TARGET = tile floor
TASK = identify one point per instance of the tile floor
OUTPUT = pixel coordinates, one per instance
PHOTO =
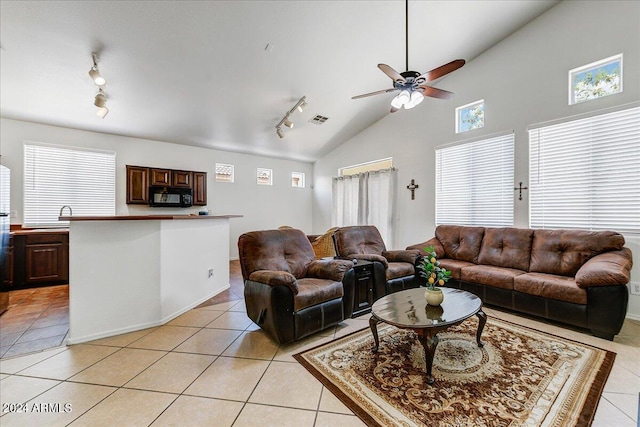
(214, 367)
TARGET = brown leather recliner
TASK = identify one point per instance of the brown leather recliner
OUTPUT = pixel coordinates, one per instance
(287, 292)
(394, 270)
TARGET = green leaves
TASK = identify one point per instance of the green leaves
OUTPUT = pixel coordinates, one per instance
(430, 270)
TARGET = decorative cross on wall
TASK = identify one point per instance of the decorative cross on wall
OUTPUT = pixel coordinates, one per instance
(520, 188)
(412, 187)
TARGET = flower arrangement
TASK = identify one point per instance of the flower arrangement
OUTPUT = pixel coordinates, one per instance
(430, 269)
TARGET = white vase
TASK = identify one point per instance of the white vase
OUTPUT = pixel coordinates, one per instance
(434, 296)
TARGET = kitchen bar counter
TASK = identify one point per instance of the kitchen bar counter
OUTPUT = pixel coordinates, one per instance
(128, 273)
(143, 217)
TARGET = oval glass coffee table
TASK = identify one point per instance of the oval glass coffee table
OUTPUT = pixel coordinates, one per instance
(408, 309)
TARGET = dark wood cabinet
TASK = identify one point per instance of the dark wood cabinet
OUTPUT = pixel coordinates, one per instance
(199, 188)
(140, 178)
(7, 268)
(364, 288)
(40, 258)
(137, 185)
(183, 179)
(161, 177)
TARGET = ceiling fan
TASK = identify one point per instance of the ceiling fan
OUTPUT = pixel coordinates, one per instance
(412, 84)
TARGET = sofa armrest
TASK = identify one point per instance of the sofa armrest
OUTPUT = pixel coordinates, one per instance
(437, 247)
(275, 278)
(410, 255)
(331, 269)
(369, 257)
(609, 268)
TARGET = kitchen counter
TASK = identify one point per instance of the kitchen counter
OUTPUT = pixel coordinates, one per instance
(143, 217)
(40, 231)
(128, 273)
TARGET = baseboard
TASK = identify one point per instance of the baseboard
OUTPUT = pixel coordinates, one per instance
(633, 316)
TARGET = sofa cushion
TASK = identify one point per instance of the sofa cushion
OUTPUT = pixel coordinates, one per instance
(506, 247)
(563, 252)
(400, 269)
(454, 266)
(497, 277)
(550, 286)
(459, 242)
(313, 291)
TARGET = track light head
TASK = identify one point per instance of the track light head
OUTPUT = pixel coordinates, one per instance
(100, 100)
(102, 112)
(288, 123)
(302, 105)
(280, 133)
(94, 73)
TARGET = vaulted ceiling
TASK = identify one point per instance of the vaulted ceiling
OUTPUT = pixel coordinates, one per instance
(221, 74)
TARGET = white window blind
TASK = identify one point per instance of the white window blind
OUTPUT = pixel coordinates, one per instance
(56, 176)
(586, 173)
(474, 182)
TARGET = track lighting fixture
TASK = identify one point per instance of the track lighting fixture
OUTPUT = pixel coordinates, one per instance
(100, 100)
(95, 73)
(102, 112)
(300, 106)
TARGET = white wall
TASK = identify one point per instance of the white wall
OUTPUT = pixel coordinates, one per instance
(523, 81)
(263, 207)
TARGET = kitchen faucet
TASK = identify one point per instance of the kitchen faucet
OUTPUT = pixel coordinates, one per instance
(66, 206)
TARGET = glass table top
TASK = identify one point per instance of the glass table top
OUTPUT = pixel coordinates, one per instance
(409, 308)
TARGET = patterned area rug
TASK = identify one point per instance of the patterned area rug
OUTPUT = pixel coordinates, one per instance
(521, 377)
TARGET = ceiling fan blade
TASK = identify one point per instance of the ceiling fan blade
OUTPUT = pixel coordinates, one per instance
(395, 76)
(373, 93)
(445, 69)
(435, 92)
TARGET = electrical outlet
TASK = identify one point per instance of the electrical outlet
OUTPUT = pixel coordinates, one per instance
(635, 288)
(210, 272)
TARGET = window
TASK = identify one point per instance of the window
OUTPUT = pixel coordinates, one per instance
(470, 116)
(595, 80)
(55, 176)
(297, 179)
(265, 176)
(224, 172)
(375, 165)
(585, 173)
(474, 183)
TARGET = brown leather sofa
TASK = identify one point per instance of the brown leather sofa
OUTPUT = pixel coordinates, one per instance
(393, 270)
(287, 292)
(571, 276)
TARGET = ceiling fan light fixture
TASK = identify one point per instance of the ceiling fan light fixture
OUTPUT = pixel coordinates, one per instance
(404, 97)
(396, 103)
(288, 123)
(416, 98)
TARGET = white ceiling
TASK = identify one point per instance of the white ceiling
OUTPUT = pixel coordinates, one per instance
(197, 73)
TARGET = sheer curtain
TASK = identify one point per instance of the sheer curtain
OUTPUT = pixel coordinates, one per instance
(367, 198)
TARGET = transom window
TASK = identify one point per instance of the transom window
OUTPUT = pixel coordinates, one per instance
(55, 176)
(265, 176)
(470, 116)
(224, 172)
(474, 182)
(595, 80)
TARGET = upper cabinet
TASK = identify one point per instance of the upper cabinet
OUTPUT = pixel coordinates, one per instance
(140, 178)
(137, 185)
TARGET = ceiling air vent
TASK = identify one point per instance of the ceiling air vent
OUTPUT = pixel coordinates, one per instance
(318, 119)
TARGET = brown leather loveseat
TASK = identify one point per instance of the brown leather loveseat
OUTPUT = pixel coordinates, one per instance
(287, 292)
(571, 276)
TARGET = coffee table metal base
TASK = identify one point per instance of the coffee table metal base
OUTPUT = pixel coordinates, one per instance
(428, 337)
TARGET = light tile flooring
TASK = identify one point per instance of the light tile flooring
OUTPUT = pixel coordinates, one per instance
(213, 367)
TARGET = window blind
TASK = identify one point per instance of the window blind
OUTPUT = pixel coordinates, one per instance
(474, 182)
(56, 176)
(586, 173)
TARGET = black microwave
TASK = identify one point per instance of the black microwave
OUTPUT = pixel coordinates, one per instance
(171, 197)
